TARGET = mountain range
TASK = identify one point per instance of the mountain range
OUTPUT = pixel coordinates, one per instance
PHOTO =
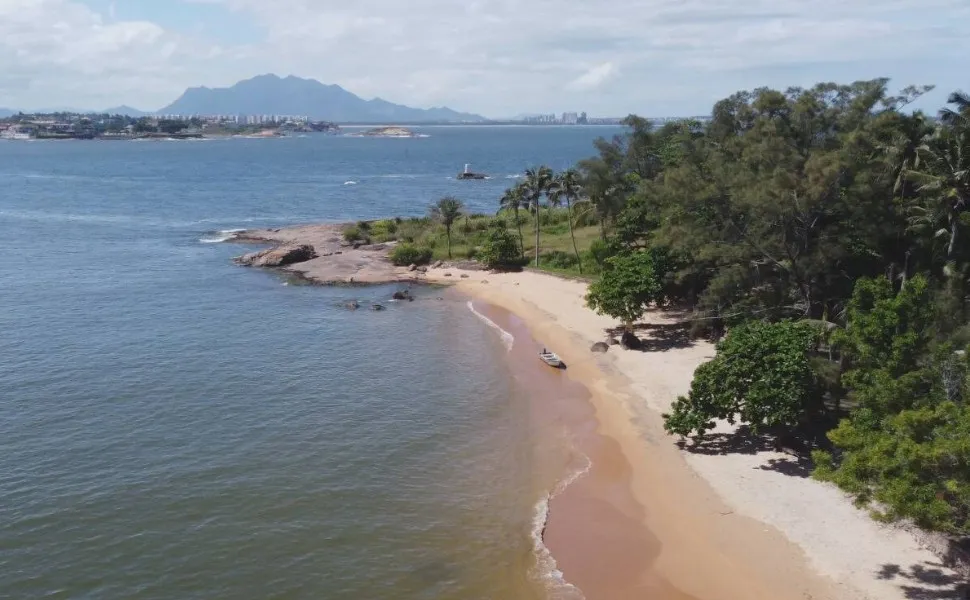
(273, 95)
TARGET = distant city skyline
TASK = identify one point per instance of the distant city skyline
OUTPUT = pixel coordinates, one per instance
(613, 58)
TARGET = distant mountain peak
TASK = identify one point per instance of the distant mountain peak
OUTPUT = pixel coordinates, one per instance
(272, 95)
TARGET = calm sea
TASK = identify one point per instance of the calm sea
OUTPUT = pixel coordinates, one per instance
(173, 426)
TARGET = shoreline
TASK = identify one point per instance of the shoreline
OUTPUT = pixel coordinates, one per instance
(729, 526)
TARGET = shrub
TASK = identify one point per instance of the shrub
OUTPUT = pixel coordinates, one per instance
(354, 234)
(471, 253)
(500, 249)
(629, 283)
(384, 230)
(408, 254)
(599, 251)
(762, 376)
(557, 259)
(363, 225)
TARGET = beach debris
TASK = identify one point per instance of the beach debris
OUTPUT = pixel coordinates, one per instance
(277, 257)
(377, 307)
(628, 341)
(600, 348)
(403, 295)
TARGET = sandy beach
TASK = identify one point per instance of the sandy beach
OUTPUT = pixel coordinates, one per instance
(743, 525)
(650, 519)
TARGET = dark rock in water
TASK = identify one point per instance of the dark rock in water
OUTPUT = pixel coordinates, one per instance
(613, 341)
(403, 295)
(279, 256)
(352, 305)
(628, 341)
(600, 347)
(377, 307)
(413, 267)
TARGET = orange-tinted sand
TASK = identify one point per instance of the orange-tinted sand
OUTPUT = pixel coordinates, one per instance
(639, 524)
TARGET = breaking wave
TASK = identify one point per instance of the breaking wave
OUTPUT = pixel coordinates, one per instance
(507, 338)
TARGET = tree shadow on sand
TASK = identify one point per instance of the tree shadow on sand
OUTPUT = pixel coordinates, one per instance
(796, 463)
(926, 581)
(659, 337)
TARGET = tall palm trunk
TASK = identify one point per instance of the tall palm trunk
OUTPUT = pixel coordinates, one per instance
(518, 224)
(569, 218)
(448, 235)
(538, 208)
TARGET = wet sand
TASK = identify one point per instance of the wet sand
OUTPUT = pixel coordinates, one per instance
(638, 524)
(594, 528)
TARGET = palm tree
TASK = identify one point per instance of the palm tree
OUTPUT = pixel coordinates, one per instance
(960, 114)
(514, 199)
(447, 210)
(567, 186)
(536, 185)
(942, 173)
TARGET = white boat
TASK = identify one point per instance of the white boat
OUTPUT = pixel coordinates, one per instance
(550, 358)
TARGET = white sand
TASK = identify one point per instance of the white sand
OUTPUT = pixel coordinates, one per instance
(866, 560)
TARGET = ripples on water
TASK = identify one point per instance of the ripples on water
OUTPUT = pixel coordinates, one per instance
(173, 426)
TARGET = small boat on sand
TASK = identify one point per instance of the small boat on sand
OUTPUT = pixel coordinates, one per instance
(550, 358)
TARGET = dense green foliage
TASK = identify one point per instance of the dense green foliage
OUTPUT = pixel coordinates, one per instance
(406, 254)
(824, 231)
(762, 376)
(627, 286)
(499, 250)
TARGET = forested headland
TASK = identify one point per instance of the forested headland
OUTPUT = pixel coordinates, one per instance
(822, 236)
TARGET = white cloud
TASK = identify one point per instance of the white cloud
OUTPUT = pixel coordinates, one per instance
(498, 57)
(593, 78)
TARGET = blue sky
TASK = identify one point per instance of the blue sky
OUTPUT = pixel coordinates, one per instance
(495, 57)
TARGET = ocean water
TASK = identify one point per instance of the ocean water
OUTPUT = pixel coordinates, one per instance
(174, 426)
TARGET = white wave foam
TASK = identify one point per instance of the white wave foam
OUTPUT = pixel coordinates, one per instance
(224, 235)
(514, 176)
(350, 183)
(547, 571)
(507, 338)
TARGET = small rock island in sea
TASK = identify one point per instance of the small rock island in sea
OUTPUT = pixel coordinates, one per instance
(395, 132)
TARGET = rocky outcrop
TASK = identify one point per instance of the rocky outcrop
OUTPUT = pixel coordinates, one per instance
(628, 341)
(600, 348)
(278, 257)
(403, 295)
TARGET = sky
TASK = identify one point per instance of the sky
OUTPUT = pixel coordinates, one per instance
(497, 58)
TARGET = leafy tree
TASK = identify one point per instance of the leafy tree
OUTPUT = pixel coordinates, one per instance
(567, 186)
(762, 376)
(447, 210)
(626, 287)
(536, 185)
(499, 249)
(514, 199)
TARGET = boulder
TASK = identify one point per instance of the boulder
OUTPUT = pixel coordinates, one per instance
(352, 305)
(447, 274)
(628, 341)
(403, 295)
(422, 269)
(600, 347)
(377, 307)
(438, 264)
(413, 267)
(278, 257)
(464, 275)
(612, 341)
